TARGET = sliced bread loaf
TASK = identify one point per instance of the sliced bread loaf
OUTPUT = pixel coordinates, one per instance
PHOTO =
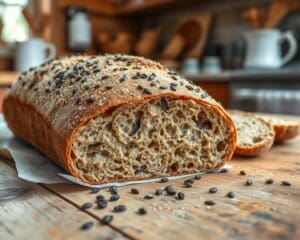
(118, 118)
(285, 128)
(255, 135)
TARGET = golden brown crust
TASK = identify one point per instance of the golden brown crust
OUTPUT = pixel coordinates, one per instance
(286, 127)
(257, 148)
(44, 112)
(286, 132)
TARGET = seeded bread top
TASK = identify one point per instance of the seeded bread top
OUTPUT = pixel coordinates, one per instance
(78, 86)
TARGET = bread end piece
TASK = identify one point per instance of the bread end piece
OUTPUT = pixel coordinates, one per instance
(286, 128)
(255, 135)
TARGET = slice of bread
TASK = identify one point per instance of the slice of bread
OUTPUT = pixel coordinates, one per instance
(255, 135)
(285, 128)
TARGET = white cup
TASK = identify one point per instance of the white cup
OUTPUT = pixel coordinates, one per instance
(32, 53)
(211, 65)
(190, 66)
(264, 48)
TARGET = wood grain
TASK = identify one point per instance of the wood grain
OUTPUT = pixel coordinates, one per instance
(258, 211)
(29, 211)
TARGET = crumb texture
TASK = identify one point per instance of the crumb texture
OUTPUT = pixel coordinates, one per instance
(251, 130)
(165, 136)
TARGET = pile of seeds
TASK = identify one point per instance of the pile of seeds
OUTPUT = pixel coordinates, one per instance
(168, 191)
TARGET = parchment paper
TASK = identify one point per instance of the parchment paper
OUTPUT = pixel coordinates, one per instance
(35, 167)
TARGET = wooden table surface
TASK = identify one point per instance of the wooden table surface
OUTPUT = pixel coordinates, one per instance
(39, 211)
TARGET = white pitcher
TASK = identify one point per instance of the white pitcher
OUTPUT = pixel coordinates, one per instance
(263, 48)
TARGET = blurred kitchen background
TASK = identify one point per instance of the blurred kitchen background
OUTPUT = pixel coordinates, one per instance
(245, 53)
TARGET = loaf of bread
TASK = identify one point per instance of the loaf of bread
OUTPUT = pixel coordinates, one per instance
(118, 117)
(255, 135)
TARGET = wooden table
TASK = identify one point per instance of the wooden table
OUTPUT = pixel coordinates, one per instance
(39, 211)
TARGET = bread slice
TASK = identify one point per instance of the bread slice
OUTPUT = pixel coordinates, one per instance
(255, 135)
(118, 118)
(285, 128)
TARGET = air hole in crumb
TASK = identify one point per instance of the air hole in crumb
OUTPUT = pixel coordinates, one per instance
(194, 153)
(204, 142)
(109, 126)
(117, 161)
(190, 165)
(179, 152)
(154, 145)
(216, 131)
(105, 153)
(171, 130)
(120, 169)
(221, 146)
(73, 156)
(207, 124)
(174, 167)
(180, 114)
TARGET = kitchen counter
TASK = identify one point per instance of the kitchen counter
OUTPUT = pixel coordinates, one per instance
(291, 72)
(39, 211)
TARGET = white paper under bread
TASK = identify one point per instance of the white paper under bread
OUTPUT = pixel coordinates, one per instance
(35, 167)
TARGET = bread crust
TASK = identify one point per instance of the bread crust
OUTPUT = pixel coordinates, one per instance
(286, 132)
(258, 148)
(50, 122)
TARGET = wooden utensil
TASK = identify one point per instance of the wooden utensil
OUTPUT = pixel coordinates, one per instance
(189, 37)
(147, 42)
(254, 17)
(195, 41)
(278, 10)
(31, 22)
(174, 47)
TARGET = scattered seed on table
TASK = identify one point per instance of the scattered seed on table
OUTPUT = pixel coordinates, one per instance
(164, 179)
(231, 194)
(224, 170)
(159, 192)
(286, 183)
(134, 191)
(86, 206)
(197, 177)
(269, 181)
(210, 202)
(114, 197)
(189, 180)
(242, 173)
(102, 204)
(120, 208)
(188, 184)
(249, 182)
(107, 219)
(113, 190)
(95, 190)
(87, 225)
(142, 211)
(213, 190)
(100, 197)
(149, 196)
(180, 196)
(170, 190)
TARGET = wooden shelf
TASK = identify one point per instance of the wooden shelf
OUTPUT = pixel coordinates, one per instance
(132, 8)
(107, 8)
